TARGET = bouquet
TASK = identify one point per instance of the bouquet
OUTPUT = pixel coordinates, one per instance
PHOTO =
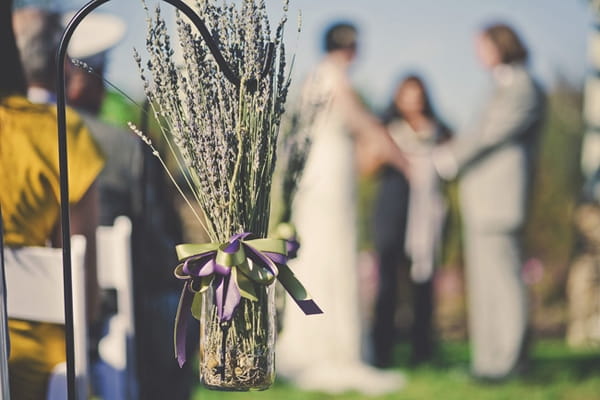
(223, 136)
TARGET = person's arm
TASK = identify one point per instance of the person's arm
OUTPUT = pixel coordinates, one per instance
(86, 161)
(511, 114)
(375, 146)
(84, 221)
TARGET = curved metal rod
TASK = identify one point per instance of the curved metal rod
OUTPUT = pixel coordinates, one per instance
(4, 336)
(62, 150)
(64, 193)
(208, 39)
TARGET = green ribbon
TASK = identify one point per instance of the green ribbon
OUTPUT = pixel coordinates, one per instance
(234, 268)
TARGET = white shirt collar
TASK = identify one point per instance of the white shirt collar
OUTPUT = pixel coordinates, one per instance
(40, 95)
(504, 74)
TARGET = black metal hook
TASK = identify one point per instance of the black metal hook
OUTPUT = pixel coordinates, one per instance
(251, 85)
(4, 336)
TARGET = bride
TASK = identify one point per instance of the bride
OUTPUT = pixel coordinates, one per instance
(322, 352)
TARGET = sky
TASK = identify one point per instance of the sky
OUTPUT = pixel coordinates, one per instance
(432, 37)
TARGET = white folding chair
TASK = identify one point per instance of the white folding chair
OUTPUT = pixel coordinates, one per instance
(116, 348)
(41, 269)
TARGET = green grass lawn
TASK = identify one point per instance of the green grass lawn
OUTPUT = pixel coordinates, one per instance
(557, 372)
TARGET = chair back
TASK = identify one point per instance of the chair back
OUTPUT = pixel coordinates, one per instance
(113, 244)
(34, 277)
(116, 373)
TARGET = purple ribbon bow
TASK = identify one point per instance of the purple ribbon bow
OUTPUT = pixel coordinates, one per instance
(233, 269)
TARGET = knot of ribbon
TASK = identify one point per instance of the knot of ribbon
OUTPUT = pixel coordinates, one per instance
(234, 269)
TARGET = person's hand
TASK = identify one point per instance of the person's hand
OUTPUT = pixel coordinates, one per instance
(369, 157)
(401, 163)
(394, 157)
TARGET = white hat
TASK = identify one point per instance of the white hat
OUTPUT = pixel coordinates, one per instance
(46, 5)
(96, 34)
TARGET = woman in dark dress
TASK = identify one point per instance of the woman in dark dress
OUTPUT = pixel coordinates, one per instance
(408, 221)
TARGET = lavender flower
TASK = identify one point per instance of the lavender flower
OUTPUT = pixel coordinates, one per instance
(224, 137)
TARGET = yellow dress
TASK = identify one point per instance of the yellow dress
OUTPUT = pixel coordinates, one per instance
(29, 195)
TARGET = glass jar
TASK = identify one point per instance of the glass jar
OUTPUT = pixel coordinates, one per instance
(238, 355)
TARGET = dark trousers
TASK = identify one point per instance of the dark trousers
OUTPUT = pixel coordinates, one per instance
(384, 334)
(422, 329)
(390, 220)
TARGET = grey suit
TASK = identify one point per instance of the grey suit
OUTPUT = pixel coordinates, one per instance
(494, 165)
(120, 182)
(132, 184)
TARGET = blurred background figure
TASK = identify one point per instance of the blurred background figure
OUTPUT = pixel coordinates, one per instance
(38, 28)
(38, 32)
(134, 185)
(495, 166)
(30, 207)
(408, 221)
(119, 184)
(323, 352)
(130, 185)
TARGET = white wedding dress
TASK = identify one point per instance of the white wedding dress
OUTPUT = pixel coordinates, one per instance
(323, 352)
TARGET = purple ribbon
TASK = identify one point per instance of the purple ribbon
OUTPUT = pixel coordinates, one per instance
(292, 247)
(233, 269)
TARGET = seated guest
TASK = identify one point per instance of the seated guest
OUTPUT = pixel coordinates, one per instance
(29, 196)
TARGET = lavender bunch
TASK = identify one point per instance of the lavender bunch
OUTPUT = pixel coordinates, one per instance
(223, 137)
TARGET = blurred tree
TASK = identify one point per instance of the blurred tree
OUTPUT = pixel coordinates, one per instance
(550, 234)
(118, 110)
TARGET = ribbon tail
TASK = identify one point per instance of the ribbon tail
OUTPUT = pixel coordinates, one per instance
(220, 293)
(277, 258)
(233, 296)
(298, 292)
(228, 296)
(181, 319)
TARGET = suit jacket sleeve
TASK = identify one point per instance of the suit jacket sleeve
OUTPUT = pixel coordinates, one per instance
(511, 112)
